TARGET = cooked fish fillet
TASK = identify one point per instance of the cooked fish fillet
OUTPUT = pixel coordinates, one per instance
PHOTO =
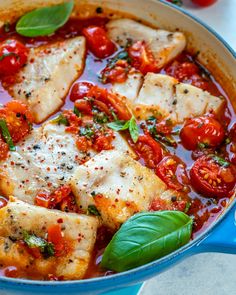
(117, 185)
(164, 45)
(130, 88)
(51, 69)
(45, 160)
(79, 230)
(164, 96)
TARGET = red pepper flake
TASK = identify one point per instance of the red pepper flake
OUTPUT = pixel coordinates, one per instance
(60, 220)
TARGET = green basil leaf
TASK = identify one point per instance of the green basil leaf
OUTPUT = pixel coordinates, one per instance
(119, 125)
(6, 135)
(220, 161)
(133, 129)
(77, 112)
(146, 237)
(44, 21)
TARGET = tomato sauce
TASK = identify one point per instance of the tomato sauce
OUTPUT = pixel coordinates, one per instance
(205, 210)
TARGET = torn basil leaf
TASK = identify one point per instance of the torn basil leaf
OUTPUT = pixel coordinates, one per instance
(6, 135)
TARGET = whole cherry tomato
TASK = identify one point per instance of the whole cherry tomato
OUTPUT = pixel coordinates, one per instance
(204, 2)
(201, 130)
(80, 90)
(13, 56)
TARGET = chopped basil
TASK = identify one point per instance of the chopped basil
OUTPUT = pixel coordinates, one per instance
(44, 21)
(187, 207)
(100, 117)
(86, 131)
(6, 27)
(92, 209)
(227, 140)
(61, 120)
(77, 112)
(202, 145)
(33, 241)
(220, 161)
(6, 135)
(131, 125)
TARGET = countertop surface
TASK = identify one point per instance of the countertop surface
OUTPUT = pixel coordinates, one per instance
(204, 274)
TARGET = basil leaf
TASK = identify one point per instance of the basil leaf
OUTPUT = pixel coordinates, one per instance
(86, 131)
(92, 209)
(119, 125)
(77, 112)
(146, 237)
(6, 135)
(60, 120)
(133, 130)
(32, 241)
(44, 21)
(220, 161)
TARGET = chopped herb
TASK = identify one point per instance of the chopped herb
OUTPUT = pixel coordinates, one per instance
(32, 241)
(176, 130)
(61, 120)
(131, 125)
(6, 135)
(86, 131)
(202, 145)
(92, 209)
(187, 207)
(227, 140)
(176, 2)
(220, 161)
(77, 112)
(100, 117)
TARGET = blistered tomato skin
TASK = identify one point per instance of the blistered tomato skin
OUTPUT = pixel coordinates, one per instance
(80, 90)
(98, 42)
(202, 131)
(13, 56)
(211, 179)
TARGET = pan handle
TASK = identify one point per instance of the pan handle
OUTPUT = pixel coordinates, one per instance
(223, 238)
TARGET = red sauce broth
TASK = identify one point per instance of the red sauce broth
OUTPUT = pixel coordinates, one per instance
(205, 210)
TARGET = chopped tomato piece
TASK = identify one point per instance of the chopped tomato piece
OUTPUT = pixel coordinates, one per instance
(51, 200)
(80, 90)
(103, 141)
(73, 120)
(4, 149)
(117, 73)
(169, 169)
(98, 42)
(204, 2)
(18, 119)
(55, 237)
(11, 272)
(13, 56)
(83, 144)
(213, 177)
(148, 150)
(202, 130)
(159, 204)
(182, 71)
(142, 58)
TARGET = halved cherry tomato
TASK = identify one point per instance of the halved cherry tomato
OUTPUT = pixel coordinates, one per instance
(112, 101)
(202, 130)
(55, 237)
(80, 90)
(212, 179)
(98, 42)
(169, 169)
(84, 106)
(13, 56)
(148, 150)
(18, 119)
(142, 58)
(204, 2)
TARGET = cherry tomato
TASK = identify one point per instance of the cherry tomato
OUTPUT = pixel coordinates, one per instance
(13, 56)
(204, 2)
(168, 170)
(98, 42)
(202, 130)
(211, 178)
(11, 272)
(148, 150)
(80, 90)
(84, 106)
(142, 58)
(182, 71)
